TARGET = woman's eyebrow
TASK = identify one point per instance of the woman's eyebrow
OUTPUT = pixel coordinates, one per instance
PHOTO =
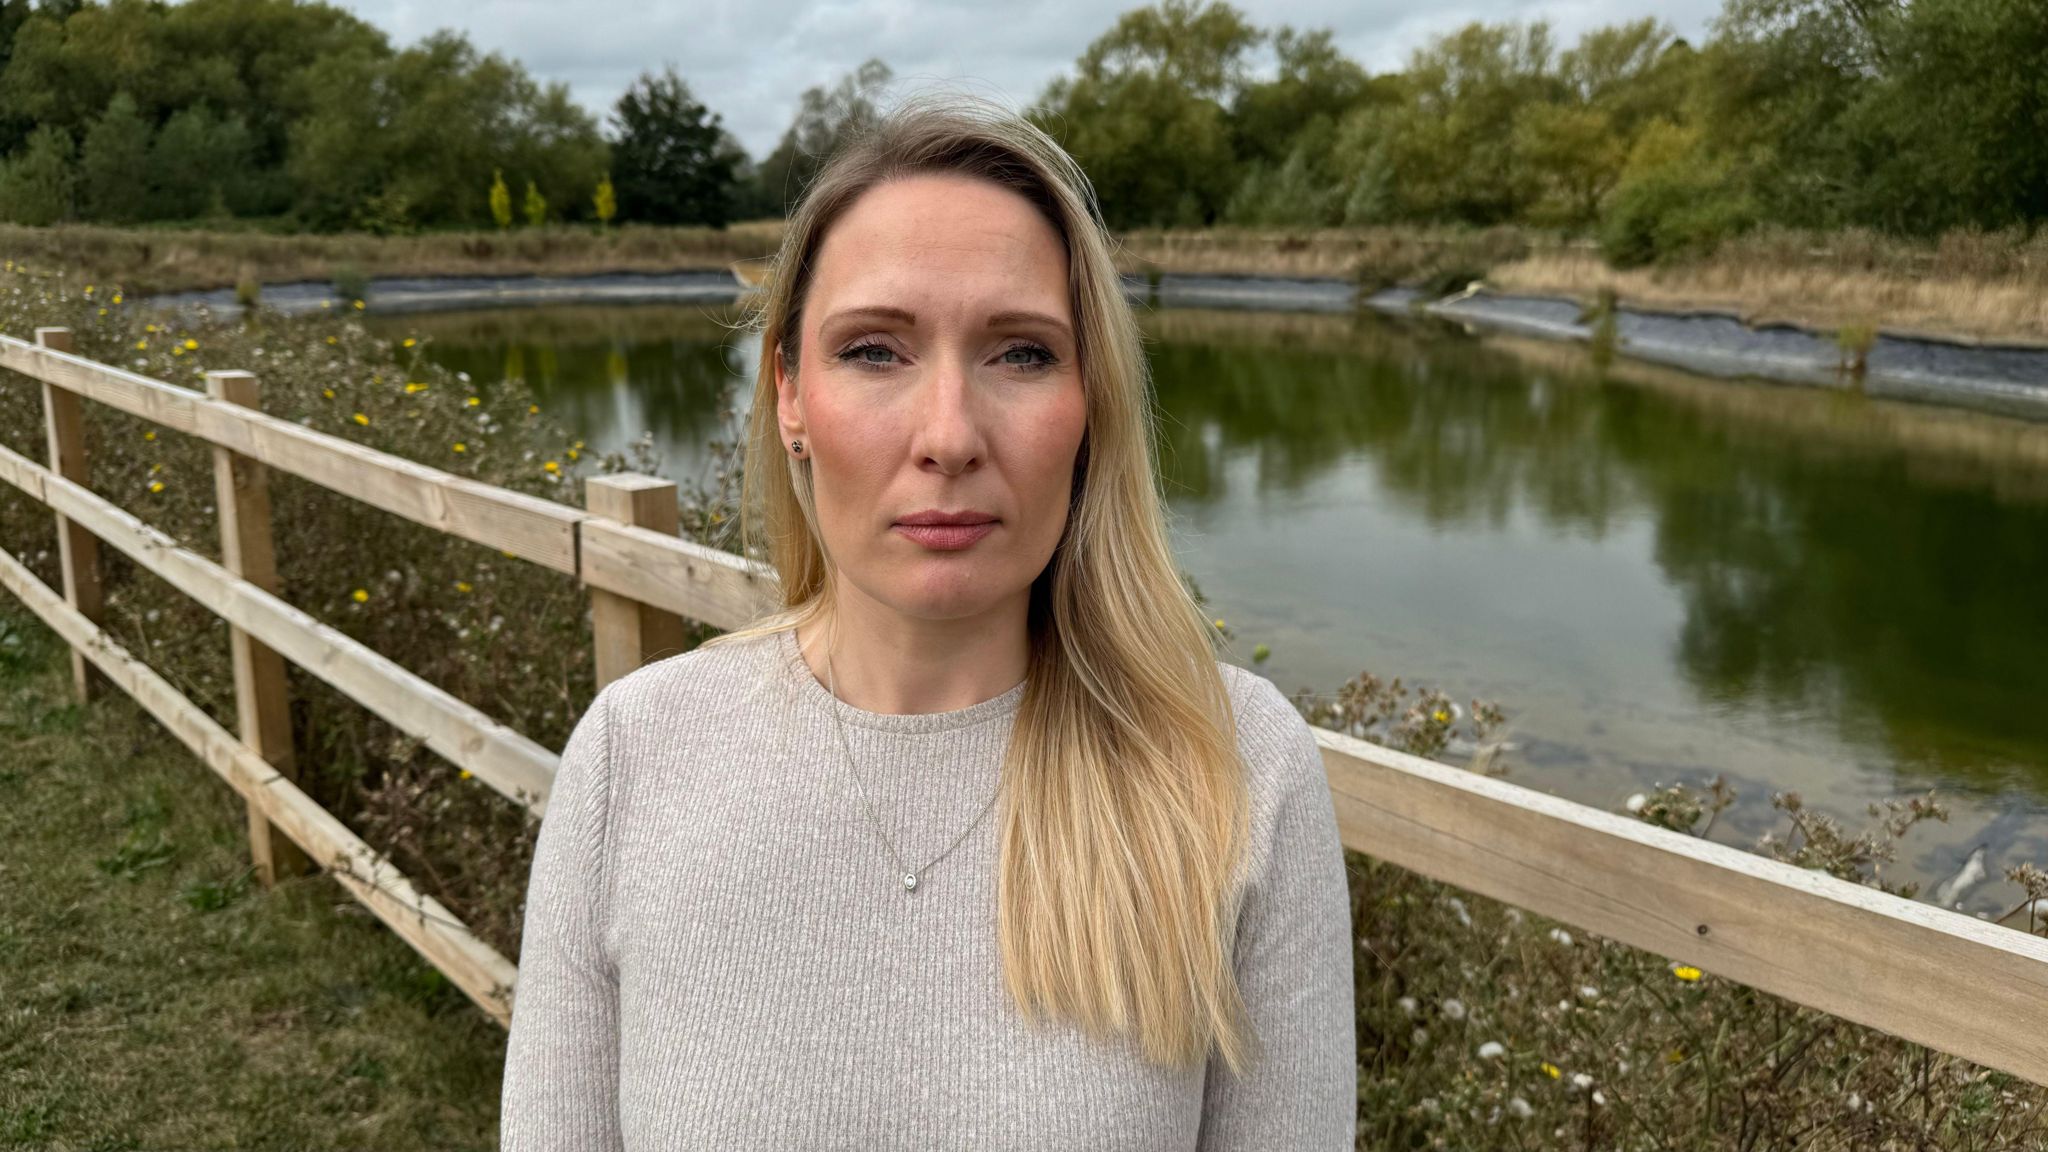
(874, 312)
(1004, 319)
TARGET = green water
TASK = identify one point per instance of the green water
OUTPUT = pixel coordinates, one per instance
(1661, 578)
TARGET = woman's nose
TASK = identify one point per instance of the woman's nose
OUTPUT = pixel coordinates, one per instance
(949, 431)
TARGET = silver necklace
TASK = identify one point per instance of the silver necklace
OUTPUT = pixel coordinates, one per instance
(910, 875)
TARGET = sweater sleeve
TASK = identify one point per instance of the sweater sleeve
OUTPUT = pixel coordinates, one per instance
(561, 1079)
(1293, 958)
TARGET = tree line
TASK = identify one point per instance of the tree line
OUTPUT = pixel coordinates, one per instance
(305, 117)
(1911, 117)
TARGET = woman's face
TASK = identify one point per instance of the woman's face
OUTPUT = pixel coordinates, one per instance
(938, 373)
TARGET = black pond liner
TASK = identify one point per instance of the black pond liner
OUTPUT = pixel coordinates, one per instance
(2006, 379)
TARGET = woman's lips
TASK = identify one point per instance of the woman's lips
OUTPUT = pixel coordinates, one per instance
(946, 537)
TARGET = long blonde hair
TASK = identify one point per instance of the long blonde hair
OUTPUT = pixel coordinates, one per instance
(1124, 805)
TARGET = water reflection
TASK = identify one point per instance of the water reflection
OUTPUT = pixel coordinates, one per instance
(1660, 576)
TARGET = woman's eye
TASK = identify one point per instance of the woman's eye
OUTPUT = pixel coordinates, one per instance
(869, 354)
(1027, 356)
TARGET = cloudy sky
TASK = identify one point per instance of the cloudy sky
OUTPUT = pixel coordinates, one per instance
(750, 60)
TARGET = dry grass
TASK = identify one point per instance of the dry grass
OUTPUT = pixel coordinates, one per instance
(1980, 285)
(162, 260)
(1385, 255)
(1986, 286)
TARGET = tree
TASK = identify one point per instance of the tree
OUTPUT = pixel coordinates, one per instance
(501, 199)
(675, 163)
(196, 152)
(825, 119)
(536, 206)
(113, 166)
(1144, 113)
(605, 201)
(36, 183)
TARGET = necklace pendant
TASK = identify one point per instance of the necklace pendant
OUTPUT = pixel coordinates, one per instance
(910, 881)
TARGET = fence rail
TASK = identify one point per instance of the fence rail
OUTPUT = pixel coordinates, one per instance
(1936, 977)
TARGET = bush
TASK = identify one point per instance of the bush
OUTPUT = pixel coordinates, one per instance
(1671, 202)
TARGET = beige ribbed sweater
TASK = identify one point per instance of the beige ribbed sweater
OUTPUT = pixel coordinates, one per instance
(719, 952)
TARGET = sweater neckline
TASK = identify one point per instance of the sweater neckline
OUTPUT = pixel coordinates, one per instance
(813, 691)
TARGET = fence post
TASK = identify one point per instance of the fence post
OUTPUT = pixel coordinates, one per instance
(262, 703)
(78, 551)
(625, 632)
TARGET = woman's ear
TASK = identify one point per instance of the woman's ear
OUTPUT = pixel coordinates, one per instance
(789, 412)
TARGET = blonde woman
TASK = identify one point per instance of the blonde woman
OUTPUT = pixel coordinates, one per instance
(974, 843)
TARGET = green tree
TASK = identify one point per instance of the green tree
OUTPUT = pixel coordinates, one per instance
(675, 163)
(196, 153)
(36, 183)
(501, 199)
(535, 207)
(113, 166)
(605, 201)
(825, 118)
(1144, 112)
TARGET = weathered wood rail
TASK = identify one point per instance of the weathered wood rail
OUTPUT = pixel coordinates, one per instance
(1939, 978)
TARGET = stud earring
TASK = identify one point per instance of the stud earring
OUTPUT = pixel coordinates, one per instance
(797, 446)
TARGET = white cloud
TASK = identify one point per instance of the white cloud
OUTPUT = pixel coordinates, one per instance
(750, 61)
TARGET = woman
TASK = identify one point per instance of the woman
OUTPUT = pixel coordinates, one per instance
(974, 844)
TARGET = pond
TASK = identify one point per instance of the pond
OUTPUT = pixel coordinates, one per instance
(1660, 577)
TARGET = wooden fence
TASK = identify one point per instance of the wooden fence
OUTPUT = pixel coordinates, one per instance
(1939, 978)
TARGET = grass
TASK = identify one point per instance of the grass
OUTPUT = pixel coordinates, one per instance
(1972, 285)
(1983, 286)
(151, 997)
(147, 260)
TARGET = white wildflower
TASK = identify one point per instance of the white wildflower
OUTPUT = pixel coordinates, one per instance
(1636, 802)
(1581, 1080)
(1561, 936)
(1406, 1004)
(1454, 1008)
(1588, 992)
(1519, 1108)
(1491, 1050)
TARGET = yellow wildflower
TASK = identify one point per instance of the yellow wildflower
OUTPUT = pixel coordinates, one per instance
(553, 467)
(327, 303)
(362, 419)
(156, 485)
(103, 311)
(409, 341)
(463, 586)
(149, 327)
(465, 773)
(177, 350)
(149, 435)
(141, 345)
(459, 447)
(191, 345)
(1440, 716)
(327, 392)
(532, 409)
(334, 339)
(1686, 972)
(155, 468)
(410, 388)
(1550, 1070)
(88, 289)
(360, 596)
(579, 444)
(573, 454)
(117, 297)
(471, 402)
(359, 305)
(1219, 621)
